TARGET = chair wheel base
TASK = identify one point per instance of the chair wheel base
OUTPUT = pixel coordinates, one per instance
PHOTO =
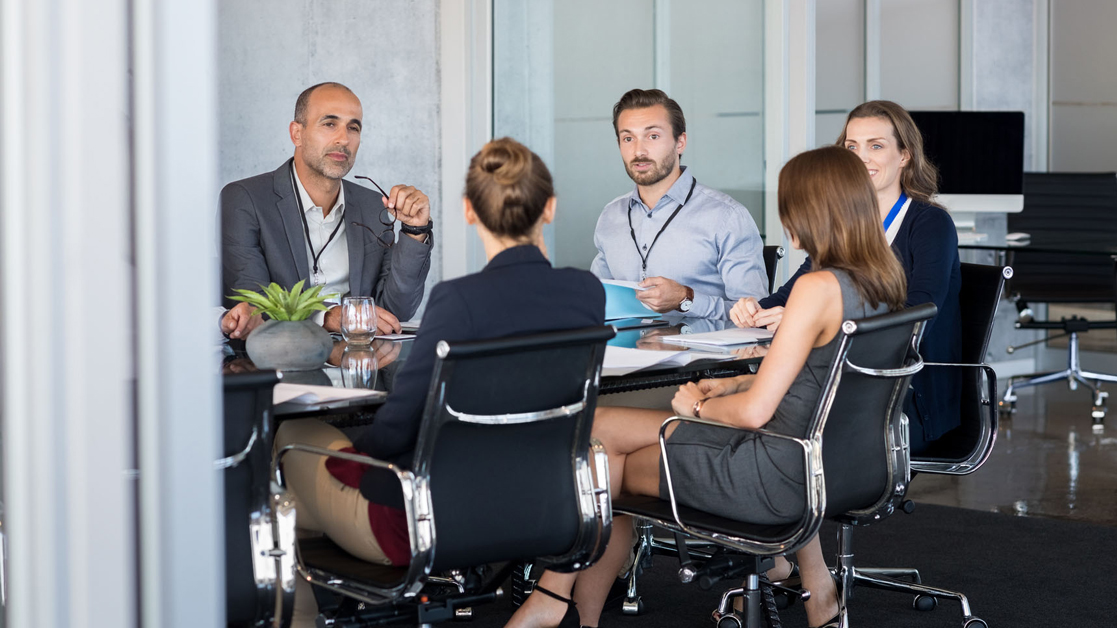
(924, 603)
(975, 622)
(633, 606)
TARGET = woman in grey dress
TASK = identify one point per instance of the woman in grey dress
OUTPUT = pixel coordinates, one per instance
(828, 206)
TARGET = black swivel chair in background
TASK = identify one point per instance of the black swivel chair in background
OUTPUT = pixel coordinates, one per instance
(959, 452)
(852, 463)
(504, 471)
(773, 253)
(1072, 209)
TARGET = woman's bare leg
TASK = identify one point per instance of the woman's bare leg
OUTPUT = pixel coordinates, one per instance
(823, 603)
(622, 431)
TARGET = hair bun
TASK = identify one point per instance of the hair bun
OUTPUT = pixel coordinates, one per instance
(506, 160)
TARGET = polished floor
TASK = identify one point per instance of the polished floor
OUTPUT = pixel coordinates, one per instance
(1048, 462)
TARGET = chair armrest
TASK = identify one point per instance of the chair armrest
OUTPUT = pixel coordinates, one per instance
(956, 364)
(812, 463)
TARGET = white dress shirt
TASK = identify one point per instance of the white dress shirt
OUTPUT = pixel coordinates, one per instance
(333, 262)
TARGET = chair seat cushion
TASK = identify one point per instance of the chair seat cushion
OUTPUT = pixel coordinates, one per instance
(658, 509)
(322, 553)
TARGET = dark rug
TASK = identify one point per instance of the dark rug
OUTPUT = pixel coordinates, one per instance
(1016, 571)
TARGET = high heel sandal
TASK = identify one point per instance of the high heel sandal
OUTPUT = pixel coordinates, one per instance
(571, 617)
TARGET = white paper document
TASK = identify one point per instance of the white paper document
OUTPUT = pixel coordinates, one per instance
(400, 336)
(723, 338)
(306, 393)
(622, 360)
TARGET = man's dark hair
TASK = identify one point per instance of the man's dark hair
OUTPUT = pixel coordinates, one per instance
(303, 100)
(644, 98)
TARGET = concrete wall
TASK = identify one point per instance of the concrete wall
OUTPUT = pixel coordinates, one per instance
(839, 65)
(919, 53)
(1083, 86)
(386, 51)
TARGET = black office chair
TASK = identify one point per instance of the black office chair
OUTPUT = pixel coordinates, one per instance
(852, 465)
(259, 583)
(960, 451)
(507, 422)
(773, 253)
(1064, 208)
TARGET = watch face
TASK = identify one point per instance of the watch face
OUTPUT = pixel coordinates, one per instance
(685, 305)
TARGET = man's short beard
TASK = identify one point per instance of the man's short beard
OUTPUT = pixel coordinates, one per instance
(658, 173)
(329, 168)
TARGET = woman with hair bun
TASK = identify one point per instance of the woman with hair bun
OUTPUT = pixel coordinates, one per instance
(885, 139)
(509, 196)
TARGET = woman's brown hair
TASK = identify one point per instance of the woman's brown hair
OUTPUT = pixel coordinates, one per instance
(827, 202)
(508, 186)
(919, 178)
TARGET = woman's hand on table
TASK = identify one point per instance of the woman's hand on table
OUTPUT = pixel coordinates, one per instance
(685, 398)
(747, 312)
(769, 318)
(718, 387)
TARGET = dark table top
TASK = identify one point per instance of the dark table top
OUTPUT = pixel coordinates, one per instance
(1078, 244)
(375, 367)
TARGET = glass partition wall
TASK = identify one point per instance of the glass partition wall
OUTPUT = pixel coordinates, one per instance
(558, 68)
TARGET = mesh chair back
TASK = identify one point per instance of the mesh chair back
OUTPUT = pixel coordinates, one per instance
(773, 253)
(859, 426)
(503, 482)
(247, 451)
(1065, 208)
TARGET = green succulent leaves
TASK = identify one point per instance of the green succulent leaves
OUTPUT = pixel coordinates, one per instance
(283, 305)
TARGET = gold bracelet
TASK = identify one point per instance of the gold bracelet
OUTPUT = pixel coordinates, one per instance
(698, 408)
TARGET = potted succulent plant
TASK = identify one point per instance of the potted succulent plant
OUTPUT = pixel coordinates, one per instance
(287, 342)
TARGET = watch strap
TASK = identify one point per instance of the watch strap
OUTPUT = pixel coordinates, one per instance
(413, 230)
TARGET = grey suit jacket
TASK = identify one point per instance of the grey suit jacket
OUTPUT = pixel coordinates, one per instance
(262, 240)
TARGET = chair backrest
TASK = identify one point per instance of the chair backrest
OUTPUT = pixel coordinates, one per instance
(970, 443)
(773, 253)
(1061, 207)
(246, 469)
(859, 409)
(505, 444)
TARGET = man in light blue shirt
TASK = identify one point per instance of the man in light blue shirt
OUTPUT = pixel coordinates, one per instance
(695, 249)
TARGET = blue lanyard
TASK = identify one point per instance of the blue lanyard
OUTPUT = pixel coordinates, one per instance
(895, 210)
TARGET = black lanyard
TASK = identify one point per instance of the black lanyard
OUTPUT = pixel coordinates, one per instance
(306, 228)
(632, 231)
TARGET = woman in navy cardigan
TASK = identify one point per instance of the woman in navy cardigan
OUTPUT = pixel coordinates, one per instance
(509, 196)
(923, 236)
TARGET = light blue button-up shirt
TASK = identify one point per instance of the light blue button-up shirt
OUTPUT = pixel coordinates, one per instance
(712, 245)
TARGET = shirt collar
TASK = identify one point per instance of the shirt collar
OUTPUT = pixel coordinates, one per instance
(675, 195)
(308, 203)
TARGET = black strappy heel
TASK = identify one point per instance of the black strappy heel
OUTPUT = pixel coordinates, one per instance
(571, 616)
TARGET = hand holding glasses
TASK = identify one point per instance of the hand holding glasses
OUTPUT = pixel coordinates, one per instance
(387, 236)
(409, 205)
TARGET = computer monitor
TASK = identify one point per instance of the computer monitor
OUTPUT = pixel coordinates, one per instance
(980, 157)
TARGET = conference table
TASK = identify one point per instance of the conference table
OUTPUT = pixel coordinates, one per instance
(390, 355)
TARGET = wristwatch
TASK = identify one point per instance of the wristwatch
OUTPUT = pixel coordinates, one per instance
(413, 230)
(688, 300)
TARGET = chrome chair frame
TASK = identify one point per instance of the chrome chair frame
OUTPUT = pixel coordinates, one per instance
(591, 479)
(815, 487)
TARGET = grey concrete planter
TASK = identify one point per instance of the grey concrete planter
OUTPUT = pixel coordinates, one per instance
(289, 345)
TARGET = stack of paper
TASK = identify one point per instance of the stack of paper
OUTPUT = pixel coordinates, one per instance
(622, 360)
(306, 393)
(722, 338)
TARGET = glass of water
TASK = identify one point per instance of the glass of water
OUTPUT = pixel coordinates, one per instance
(358, 320)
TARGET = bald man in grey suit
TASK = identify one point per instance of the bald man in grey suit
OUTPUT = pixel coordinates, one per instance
(303, 222)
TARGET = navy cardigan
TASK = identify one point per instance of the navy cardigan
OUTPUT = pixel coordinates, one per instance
(927, 245)
(518, 292)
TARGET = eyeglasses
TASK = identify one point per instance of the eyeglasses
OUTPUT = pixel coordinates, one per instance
(386, 237)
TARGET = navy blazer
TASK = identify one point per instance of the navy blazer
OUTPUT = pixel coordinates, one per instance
(517, 293)
(927, 246)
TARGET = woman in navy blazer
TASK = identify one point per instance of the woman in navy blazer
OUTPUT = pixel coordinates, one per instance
(509, 196)
(923, 236)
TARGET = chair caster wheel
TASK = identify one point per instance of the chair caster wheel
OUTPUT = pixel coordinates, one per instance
(974, 622)
(730, 621)
(633, 606)
(924, 603)
(1007, 407)
(783, 600)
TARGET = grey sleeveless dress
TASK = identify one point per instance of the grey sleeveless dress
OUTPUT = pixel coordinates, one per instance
(759, 480)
